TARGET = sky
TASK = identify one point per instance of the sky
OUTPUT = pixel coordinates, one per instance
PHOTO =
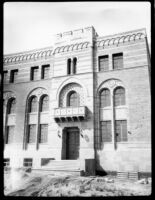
(32, 25)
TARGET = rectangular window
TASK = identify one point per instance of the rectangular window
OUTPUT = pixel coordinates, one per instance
(32, 133)
(45, 71)
(121, 130)
(118, 61)
(6, 162)
(13, 75)
(10, 134)
(43, 133)
(104, 63)
(5, 74)
(105, 129)
(34, 73)
(27, 162)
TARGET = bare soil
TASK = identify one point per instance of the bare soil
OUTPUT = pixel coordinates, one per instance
(19, 183)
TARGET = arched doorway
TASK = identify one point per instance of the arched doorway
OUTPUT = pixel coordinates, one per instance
(70, 143)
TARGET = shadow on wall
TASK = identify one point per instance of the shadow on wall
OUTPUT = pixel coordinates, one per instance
(99, 169)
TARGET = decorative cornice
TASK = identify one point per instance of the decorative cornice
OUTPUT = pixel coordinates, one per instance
(23, 57)
(72, 47)
(131, 36)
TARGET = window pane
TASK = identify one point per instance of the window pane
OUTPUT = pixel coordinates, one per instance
(11, 106)
(73, 99)
(118, 61)
(10, 134)
(45, 103)
(74, 65)
(121, 130)
(105, 98)
(33, 104)
(6, 162)
(34, 73)
(32, 134)
(119, 97)
(45, 71)
(103, 63)
(69, 66)
(27, 162)
(43, 133)
(5, 74)
(105, 128)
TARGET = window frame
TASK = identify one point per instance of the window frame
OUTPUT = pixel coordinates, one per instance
(30, 136)
(13, 75)
(99, 63)
(43, 71)
(116, 57)
(119, 97)
(74, 65)
(30, 105)
(69, 99)
(107, 136)
(69, 65)
(102, 97)
(121, 137)
(10, 106)
(6, 162)
(32, 72)
(10, 135)
(29, 162)
(43, 139)
(41, 103)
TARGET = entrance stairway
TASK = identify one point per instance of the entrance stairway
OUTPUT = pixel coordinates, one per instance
(61, 167)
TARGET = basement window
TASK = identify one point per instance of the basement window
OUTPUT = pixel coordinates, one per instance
(27, 162)
(6, 162)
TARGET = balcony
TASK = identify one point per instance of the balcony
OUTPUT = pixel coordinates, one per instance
(70, 114)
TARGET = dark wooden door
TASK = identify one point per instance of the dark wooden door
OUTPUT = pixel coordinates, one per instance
(72, 144)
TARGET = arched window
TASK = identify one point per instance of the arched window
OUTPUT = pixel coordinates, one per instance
(73, 99)
(11, 106)
(105, 98)
(69, 66)
(44, 104)
(119, 96)
(74, 65)
(33, 104)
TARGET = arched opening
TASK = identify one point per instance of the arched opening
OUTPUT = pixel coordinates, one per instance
(74, 65)
(119, 96)
(73, 99)
(105, 98)
(44, 103)
(11, 106)
(32, 106)
(69, 66)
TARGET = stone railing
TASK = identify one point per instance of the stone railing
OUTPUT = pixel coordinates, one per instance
(70, 114)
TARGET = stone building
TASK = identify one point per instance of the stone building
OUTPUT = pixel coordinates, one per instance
(81, 105)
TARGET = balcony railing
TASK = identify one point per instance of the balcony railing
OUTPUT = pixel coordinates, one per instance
(70, 114)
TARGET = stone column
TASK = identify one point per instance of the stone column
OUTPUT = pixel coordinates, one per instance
(4, 122)
(113, 121)
(38, 124)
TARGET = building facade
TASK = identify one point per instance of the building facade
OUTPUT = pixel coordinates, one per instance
(85, 98)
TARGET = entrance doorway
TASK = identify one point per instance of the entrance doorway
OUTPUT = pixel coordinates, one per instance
(70, 143)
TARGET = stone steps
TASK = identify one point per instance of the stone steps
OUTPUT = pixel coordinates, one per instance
(128, 175)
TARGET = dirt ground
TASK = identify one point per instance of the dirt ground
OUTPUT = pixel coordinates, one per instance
(20, 183)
